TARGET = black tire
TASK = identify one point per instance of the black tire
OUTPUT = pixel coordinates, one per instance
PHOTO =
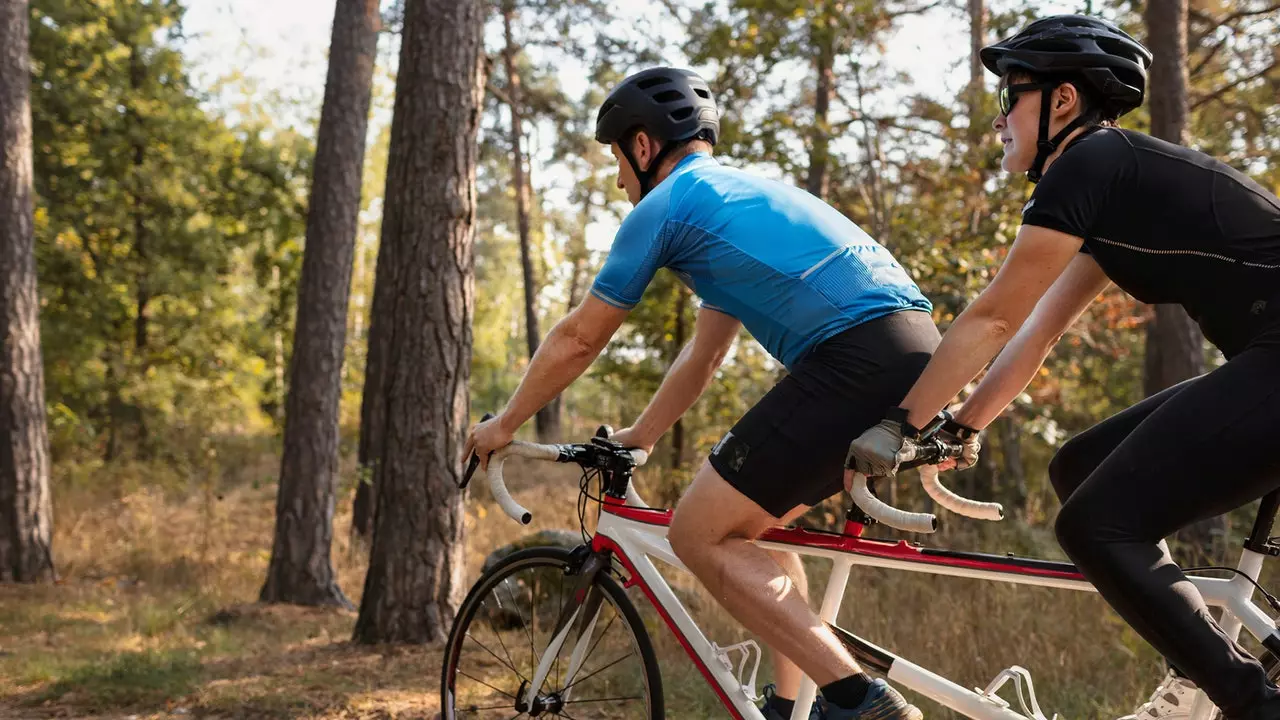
(468, 688)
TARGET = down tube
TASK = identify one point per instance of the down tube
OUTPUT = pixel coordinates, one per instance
(634, 545)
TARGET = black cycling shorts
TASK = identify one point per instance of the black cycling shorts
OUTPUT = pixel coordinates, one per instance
(789, 449)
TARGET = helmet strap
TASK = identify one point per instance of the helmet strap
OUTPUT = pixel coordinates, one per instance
(645, 177)
(1046, 146)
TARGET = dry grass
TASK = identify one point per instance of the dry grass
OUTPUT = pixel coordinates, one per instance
(155, 616)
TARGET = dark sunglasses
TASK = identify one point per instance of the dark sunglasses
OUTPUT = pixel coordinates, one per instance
(1009, 94)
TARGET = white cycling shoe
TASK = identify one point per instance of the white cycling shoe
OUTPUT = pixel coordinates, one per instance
(1172, 700)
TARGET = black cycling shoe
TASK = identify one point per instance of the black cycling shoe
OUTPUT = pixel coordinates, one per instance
(772, 713)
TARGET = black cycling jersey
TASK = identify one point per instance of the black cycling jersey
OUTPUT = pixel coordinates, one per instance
(1169, 225)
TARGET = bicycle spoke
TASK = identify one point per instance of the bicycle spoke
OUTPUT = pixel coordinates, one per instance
(612, 699)
(495, 656)
(515, 607)
(504, 706)
(597, 672)
(488, 617)
(596, 644)
(613, 693)
(559, 612)
(476, 679)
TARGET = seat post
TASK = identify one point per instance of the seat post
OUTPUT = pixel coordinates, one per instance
(831, 600)
(1260, 537)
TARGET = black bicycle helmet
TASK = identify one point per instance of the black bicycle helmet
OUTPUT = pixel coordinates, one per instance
(671, 104)
(1110, 64)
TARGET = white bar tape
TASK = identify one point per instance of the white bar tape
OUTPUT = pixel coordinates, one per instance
(953, 502)
(536, 451)
(887, 514)
(498, 486)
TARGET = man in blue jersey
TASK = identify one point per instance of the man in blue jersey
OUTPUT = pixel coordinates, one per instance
(817, 292)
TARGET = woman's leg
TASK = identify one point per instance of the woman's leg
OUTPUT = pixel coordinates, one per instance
(1076, 460)
(1204, 451)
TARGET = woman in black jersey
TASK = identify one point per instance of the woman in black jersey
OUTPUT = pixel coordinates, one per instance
(1168, 225)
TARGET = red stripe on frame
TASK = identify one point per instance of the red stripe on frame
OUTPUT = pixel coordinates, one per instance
(848, 543)
(600, 543)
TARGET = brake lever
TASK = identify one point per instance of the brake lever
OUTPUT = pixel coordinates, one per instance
(474, 462)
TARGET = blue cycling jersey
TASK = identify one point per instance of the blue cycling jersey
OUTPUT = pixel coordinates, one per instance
(790, 267)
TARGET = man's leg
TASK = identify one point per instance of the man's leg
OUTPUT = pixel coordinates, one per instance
(711, 534)
(786, 674)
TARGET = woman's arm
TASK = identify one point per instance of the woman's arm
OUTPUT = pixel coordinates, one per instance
(1018, 363)
(1036, 260)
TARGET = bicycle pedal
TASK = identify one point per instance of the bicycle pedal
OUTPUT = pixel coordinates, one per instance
(1021, 679)
(749, 650)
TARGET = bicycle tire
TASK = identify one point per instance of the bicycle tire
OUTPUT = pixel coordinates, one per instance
(552, 560)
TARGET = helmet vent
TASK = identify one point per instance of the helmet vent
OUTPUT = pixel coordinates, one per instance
(681, 113)
(702, 93)
(667, 96)
(651, 82)
(1053, 45)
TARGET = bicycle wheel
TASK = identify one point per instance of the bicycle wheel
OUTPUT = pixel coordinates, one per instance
(505, 626)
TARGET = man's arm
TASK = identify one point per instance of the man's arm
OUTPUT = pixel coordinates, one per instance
(686, 380)
(566, 352)
(1018, 363)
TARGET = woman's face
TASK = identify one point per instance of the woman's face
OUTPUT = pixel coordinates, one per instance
(1020, 129)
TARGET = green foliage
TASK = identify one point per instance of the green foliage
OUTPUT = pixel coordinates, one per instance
(168, 241)
(169, 235)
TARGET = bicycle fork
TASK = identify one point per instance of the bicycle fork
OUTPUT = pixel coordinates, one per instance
(580, 612)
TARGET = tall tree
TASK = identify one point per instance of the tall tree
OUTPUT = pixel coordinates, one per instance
(547, 420)
(26, 509)
(1175, 345)
(300, 570)
(977, 72)
(822, 39)
(679, 336)
(414, 581)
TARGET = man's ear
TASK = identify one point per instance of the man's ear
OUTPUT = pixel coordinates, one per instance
(643, 149)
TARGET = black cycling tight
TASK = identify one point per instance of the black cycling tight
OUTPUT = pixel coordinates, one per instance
(1192, 452)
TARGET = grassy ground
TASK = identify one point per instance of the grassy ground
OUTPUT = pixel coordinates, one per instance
(155, 617)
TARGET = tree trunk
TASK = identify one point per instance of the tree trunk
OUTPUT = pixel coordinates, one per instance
(822, 36)
(872, 189)
(300, 570)
(1014, 490)
(373, 399)
(679, 337)
(547, 420)
(577, 253)
(26, 509)
(414, 583)
(137, 76)
(1175, 345)
(977, 72)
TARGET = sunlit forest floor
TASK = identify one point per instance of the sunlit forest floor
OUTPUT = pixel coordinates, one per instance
(155, 613)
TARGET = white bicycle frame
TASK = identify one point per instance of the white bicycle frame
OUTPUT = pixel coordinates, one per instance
(636, 535)
(639, 543)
